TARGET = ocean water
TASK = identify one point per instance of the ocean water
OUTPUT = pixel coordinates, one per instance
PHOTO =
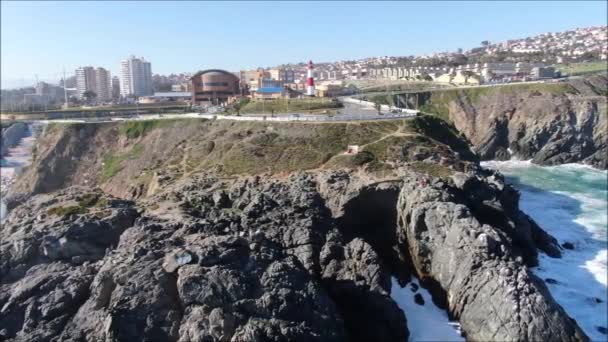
(571, 203)
(425, 321)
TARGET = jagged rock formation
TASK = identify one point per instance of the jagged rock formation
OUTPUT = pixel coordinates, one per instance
(267, 259)
(548, 123)
(473, 258)
(290, 255)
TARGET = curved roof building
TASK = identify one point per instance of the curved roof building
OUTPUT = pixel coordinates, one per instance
(214, 85)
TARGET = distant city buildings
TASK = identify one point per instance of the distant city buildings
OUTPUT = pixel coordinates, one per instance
(266, 78)
(469, 74)
(115, 88)
(135, 77)
(531, 58)
(567, 44)
(181, 87)
(96, 80)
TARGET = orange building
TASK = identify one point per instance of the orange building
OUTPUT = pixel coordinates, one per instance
(213, 85)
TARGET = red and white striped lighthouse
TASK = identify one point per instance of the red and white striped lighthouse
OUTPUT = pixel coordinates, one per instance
(310, 82)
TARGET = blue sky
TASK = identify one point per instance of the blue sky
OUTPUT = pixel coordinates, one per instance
(44, 37)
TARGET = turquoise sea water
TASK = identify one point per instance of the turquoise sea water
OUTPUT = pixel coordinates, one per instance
(570, 202)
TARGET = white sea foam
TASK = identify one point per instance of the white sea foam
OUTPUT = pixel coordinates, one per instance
(425, 322)
(598, 265)
(569, 201)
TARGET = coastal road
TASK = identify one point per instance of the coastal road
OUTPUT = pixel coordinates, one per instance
(353, 110)
(362, 115)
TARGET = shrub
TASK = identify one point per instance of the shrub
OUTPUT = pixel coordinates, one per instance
(66, 211)
(363, 157)
(88, 200)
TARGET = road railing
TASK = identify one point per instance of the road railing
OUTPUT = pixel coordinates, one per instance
(250, 117)
(308, 118)
(372, 105)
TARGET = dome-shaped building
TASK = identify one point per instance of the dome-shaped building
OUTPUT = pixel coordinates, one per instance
(214, 86)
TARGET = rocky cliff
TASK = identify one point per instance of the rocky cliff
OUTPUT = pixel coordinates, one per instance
(276, 247)
(11, 135)
(552, 123)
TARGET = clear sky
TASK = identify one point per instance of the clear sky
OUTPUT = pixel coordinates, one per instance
(44, 37)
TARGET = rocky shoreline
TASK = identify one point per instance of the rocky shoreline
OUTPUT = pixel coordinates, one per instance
(550, 124)
(309, 257)
(192, 253)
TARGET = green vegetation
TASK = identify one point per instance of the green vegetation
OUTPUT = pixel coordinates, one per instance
(547, 88)
(351, 160)
(290, 105)
(143, 108)
(136, 129)
(311, 147)
(146, 107)
(582, 68)
(438, 102)
(112, 164)
(430, 126)
(102, 203)
(381, 99)
(67, 211)
(239, 104)
(85, 202)
(434, 170)
(88, 200)
(387, 148)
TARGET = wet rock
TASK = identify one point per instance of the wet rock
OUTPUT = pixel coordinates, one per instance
(418, 299)
(568, 245)
(551, 281)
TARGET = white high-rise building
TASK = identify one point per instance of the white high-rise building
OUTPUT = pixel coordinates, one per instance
(85, 80)
(135, 77)
(95, 80)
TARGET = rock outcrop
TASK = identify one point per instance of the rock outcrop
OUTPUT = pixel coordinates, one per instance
(474, 261)
(551, 123)
(201, 254)
(258, 259)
